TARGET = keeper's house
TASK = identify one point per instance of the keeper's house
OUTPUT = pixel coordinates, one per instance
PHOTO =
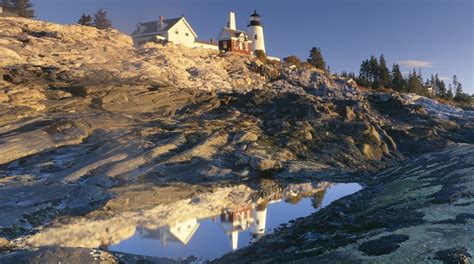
(175, 30)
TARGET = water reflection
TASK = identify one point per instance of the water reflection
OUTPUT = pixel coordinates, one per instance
(212, 237)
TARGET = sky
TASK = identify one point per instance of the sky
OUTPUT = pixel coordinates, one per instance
(434, 35)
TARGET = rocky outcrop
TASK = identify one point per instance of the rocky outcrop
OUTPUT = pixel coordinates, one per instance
(418, 211)
(87, 120)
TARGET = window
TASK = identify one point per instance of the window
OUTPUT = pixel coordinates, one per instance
(224, 45)
(187, 34)
(255, 37)
(176, 32)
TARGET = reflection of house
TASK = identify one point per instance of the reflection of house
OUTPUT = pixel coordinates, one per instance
(234, 222)
(180, 232)
(237, 221)
(176, 30)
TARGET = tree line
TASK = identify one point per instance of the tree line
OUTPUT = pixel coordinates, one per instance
(24, 8)
(374, 74)
(315, 59)
(100, 21)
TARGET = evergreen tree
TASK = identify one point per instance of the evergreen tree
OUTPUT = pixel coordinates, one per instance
(434, 84)
(374, 72)
(459, 91)
(420, 76)
(398, 82)
(85, 20)
(24, 8)
(384, 74)
(101, 21)
(316, 58)
(449, 95)
(364, 74)
(440, 87)
(6, 3)
(414, 85)
(455, 82)
(351, 75)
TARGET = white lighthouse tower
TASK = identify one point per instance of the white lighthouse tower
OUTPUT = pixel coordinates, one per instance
(255, 32)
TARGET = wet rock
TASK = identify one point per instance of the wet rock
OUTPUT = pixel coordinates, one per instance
(454, 256)
(361, 228)
(87, 117)
(383, 245)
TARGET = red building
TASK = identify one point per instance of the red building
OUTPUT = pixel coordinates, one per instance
(234, 40)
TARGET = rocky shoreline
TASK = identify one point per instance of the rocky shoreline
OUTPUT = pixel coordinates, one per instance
(92, 128)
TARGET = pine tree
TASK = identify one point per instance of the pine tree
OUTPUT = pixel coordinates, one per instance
(449, 95)
(374, 72)
(85, 20)
(434, 84)
(398, 82)
(441, 87)
(364, 74)
(316, 58)
(459, 91)
(420, 76)
(101, 21)
(351, 76)
(384, 74)
(414, 85)
(6, 3)
(24, 8)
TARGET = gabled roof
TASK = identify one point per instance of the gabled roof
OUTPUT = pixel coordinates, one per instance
(152, 26)
(206, 42)
(231, 33)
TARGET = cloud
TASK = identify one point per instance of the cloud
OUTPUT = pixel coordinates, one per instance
(417, 63)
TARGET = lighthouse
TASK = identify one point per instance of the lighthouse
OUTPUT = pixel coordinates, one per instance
(255, 32)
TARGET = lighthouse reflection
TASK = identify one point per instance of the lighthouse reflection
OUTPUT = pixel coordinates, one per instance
(236, 221)
(233, 228)
(232, 223)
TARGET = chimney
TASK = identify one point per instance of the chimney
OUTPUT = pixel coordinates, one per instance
(232, 20)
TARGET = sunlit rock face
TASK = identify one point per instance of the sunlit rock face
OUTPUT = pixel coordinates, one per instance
(90, 125)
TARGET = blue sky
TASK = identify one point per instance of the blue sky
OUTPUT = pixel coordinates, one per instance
(436, 35)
